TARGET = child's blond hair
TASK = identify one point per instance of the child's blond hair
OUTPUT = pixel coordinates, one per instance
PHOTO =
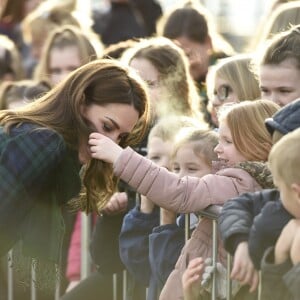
(284, 158)
(203, 141)
(245, 121)
(167, 127)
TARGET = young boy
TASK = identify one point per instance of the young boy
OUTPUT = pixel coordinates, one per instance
(281, 264)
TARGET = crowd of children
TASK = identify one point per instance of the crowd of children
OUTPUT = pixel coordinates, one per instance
(142, 125)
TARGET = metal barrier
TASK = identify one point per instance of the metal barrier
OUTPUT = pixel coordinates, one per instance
(212, 212)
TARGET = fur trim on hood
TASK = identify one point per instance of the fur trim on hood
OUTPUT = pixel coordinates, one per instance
(259, 171)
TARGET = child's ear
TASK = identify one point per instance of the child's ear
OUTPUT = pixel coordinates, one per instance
(296, 189)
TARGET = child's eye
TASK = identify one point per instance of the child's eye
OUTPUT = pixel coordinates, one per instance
(154, 158)
(285, 91)
(264, 90)
(176, 169)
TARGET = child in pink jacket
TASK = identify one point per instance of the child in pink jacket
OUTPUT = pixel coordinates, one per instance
(244, 144)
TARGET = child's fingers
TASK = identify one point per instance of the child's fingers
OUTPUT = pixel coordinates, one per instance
(255, 281)
(196, 262)
(93, 149)
(92, 141)
(95, 135)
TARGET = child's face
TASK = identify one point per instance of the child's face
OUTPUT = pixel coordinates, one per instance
(198, 55)
(159, 151)
(223, 93)
(289, 195)
(187, 163)
(226, 149)
(149, 74)
(63, 61)
(280, 83)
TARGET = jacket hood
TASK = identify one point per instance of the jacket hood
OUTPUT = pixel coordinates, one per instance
(286, 119)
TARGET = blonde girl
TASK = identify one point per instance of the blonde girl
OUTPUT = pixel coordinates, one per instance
(67, 48)
(231, 80)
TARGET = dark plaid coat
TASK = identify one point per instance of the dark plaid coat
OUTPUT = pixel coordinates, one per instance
(35, 167)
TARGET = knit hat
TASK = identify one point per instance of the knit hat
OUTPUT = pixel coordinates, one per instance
(286, 119)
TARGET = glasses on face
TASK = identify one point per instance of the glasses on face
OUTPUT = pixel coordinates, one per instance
(223, 92)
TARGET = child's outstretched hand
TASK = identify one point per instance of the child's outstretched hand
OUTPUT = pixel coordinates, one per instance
(103, 148)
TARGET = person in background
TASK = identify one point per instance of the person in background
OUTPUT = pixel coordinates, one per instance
(40, 22)
(164, 67)
(192, 27)
(67, 48)
(15, 94)
(126, 19)
(12, 13)
(280, 17)
(277, 66)
(10, 61)
(230, 80)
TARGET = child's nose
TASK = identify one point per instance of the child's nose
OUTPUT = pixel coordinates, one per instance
(217, 149)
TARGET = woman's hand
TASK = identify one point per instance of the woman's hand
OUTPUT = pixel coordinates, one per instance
(104, 148)
(116, 204)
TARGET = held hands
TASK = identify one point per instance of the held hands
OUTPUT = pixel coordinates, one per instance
(103, 148)
(243, 269)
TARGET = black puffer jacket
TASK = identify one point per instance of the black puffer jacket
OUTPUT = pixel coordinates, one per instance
(237, 215)
(266, 229)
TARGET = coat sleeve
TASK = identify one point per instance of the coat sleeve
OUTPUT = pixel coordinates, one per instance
(165, 245)
(134, 243)
(167, 190)
(266, 229)
(237, 215)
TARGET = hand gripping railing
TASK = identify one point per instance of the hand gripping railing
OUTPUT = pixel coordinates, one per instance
(212, 212)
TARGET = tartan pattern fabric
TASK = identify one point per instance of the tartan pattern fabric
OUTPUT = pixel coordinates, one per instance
(27, 154)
